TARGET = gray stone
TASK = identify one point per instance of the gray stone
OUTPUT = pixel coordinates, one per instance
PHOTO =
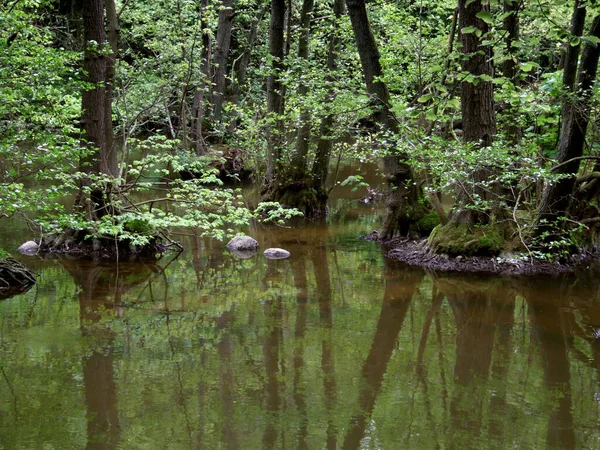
(242, 244)
(276, 253)
(29, 248)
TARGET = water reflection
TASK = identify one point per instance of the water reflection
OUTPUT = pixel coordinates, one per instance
(400, 287)
(101, 287)
(335, 347)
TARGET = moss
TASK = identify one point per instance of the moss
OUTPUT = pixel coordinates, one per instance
(456, 239)
(427, 223)
(139, 226)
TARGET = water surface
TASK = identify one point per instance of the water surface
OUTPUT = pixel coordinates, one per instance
(336, 347)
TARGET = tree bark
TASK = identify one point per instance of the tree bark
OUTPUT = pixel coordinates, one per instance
(93, 104)
(402, 208)
(477, 106)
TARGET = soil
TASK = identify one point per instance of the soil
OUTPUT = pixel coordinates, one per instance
(418, 253)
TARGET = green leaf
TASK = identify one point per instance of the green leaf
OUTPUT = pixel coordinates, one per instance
(468, 30)
(486, 16)
(425, 98)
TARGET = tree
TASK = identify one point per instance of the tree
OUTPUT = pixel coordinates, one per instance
(92, 197)
(473, 197)
(402, 203)
(567, 197)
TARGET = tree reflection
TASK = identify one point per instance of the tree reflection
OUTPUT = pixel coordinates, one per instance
(553, 336)
(484, 317)
(400, 286)
(101, 287)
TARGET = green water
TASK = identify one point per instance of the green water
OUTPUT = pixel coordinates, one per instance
(336, 347)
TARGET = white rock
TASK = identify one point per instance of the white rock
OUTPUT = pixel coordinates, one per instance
(276, 253)
(29, 248)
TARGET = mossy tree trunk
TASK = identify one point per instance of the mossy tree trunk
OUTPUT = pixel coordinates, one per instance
(402, 203)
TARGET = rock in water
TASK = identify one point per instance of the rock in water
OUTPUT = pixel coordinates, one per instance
(242, 244)
(276, 253)
(29, 248)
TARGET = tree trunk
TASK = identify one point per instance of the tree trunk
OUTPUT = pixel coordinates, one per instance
(274, 88)
(299, 160)
(320, 169)
(245, 58)
(402, 207)
(511, 64)
(221, 56)
(477, 106)
(110, 161)
(93, 104)
(557, 196)
(198, 108)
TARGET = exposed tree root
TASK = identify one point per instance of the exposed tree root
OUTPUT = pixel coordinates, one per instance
(15, 278)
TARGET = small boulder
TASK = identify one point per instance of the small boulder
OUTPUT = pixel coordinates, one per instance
(276, 253)
(242, 244)
(29, 248)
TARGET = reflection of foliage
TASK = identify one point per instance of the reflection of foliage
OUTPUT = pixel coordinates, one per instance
(188, 341)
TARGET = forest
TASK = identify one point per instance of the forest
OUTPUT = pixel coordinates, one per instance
(376, 142)
(123, 120)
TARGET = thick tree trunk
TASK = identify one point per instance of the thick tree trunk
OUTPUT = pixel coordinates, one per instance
(557, 196)
(93, 104)
(221, 56)
(275, 87)
(402, 207)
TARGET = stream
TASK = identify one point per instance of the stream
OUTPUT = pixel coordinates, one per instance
(335, 347)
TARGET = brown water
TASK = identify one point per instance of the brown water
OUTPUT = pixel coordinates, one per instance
(336, 347)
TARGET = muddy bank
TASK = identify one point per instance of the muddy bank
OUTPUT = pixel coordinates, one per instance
(417, 253)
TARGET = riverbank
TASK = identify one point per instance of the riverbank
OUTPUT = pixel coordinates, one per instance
(417, 253)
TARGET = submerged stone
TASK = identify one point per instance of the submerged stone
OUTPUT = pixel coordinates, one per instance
(29, 248)
(276, 253)
(242, 244)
